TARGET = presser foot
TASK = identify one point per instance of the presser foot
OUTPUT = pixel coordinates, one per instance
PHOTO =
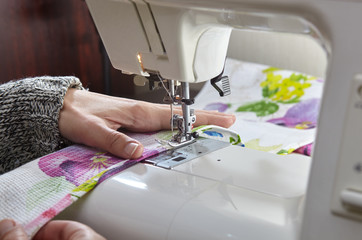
(182, 139)
(176, 144)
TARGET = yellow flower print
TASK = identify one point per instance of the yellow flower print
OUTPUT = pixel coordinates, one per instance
(100, 153)
(255, 144)
(285, 90)
(286, 151)
(272, 81)
(89, 184)
(304, 125)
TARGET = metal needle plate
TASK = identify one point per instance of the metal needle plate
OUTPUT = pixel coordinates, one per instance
(177, 156)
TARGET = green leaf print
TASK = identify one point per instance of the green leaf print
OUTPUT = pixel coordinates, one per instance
(89, 184)
(285, 151)
(234, 141)
(267, 93)
(261, 108)
(294, 100)
(46, 189)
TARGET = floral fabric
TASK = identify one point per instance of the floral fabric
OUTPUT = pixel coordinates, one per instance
(37, 191)
(276, 110)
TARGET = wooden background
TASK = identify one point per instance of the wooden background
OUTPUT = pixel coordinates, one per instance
(56, 38)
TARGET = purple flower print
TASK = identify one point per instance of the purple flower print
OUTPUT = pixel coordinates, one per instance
(77, 164)
(306, 150)
(220, 107)
(303, 115)
(129, 163)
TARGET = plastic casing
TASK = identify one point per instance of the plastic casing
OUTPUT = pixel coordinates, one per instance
(232, 193)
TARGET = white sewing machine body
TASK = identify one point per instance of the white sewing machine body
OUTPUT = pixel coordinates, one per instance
(253, 199)
(231, 193)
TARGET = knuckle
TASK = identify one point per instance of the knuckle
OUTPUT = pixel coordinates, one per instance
(140, 114)
(112, 140)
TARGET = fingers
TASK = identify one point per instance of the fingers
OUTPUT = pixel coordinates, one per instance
(94, 131)
(214, 118)
(92, 119)
(10, 230)
(203, 117)
(66, 230)
(114, 142)
(153, 117)
(56, 230)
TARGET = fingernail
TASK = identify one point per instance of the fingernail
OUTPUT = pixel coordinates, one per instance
(5, 226)
(131, 148)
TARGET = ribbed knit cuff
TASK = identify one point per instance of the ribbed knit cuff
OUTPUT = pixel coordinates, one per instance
(29, 114)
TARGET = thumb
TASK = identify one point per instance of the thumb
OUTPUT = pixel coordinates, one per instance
(117, 143)
(66, 230)
(10, 230)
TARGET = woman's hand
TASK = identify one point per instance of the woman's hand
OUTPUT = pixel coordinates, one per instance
(93, 119)
(56, 230)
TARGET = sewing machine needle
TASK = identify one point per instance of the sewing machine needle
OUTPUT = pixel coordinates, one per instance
(172, 95)
(171, 105)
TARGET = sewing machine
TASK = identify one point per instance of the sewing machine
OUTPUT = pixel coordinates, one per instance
(215, 195)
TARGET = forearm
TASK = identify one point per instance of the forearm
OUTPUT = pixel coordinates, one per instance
(29, 113)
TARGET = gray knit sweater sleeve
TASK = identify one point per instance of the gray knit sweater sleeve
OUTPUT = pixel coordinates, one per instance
(29, 112)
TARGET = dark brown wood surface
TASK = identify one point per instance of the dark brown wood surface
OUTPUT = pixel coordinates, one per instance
(49, 37)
